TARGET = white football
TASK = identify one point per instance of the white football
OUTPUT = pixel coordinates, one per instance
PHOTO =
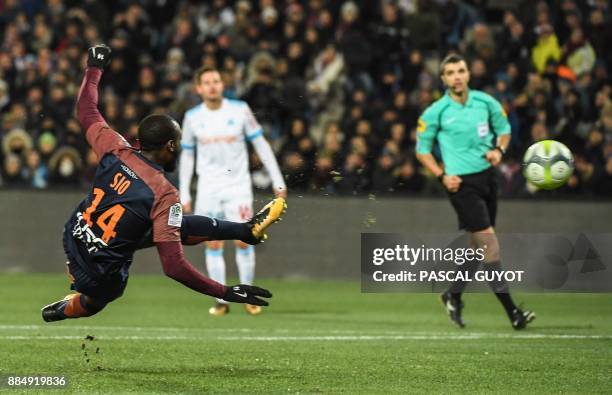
(548, 164)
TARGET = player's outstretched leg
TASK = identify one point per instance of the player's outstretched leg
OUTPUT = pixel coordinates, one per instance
(196, 229)
(72, 306)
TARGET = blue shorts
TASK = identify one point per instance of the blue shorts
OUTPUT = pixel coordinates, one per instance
(104, 289)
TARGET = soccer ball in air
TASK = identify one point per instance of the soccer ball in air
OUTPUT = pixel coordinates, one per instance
(548, 164)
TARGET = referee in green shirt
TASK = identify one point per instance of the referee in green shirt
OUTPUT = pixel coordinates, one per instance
(473, 133)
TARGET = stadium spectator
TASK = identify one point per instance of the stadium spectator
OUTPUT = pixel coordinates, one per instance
(296, 171)
(263, 97)
(478, 43)
(409, 181)
(64, 167)
(603, 187)
(355, 47)
(35, 171)
(17, 142)
(5, 98)
(12, 174)
(354, 179)
(384, 174)
(546, 48)
(578, 53)
(324, 88)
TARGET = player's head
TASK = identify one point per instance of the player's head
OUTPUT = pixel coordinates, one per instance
(455, 74)
(161, 134)
(208, 84)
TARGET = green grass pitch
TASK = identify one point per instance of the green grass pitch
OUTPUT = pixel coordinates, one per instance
(317, 337)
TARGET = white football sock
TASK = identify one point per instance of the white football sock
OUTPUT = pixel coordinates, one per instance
(245, 260)
(215, 265)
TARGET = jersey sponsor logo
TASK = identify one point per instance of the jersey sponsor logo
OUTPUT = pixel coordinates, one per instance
(483, 129)
(175, 215)
(421, 125)
(82, 231)
(129, 172)
(219, 139)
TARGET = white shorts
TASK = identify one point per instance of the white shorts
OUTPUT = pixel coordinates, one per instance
(230, 207)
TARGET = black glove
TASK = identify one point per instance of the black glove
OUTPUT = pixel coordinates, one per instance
(99, 56)
(246, 294)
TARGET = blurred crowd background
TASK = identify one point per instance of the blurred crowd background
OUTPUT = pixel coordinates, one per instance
(337, 85)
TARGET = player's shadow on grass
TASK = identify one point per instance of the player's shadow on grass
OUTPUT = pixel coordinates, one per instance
(303, 311)
(223, 371)
(545, 328)
(182, 380)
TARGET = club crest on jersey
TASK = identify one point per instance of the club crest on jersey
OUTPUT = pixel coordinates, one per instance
(175, 215)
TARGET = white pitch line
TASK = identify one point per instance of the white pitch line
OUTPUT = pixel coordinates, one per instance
(120, 328)
(304, 334)
(66, 326)
(100, 338)
(412, 337)
(324, 338)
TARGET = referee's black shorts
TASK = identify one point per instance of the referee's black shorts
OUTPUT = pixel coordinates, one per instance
(476, 200)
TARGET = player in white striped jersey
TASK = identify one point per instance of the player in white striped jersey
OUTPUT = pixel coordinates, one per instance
(218, 129)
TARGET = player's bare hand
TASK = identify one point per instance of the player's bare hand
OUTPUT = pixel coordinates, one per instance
(187, 208)
(452, 183)
(494, 157)
(280, 192)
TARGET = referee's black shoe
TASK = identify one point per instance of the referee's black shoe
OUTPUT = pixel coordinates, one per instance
(453, 308)
(520, 318)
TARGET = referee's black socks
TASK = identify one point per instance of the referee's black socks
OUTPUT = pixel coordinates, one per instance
(458, 286)
(500, 287)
